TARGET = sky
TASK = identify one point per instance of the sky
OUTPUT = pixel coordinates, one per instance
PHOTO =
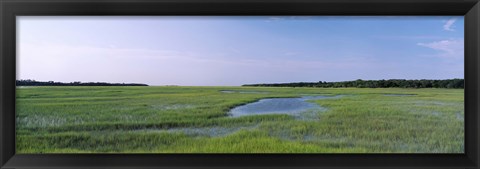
(236, 50)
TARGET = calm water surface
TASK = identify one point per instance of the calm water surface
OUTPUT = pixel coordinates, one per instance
(291, 106)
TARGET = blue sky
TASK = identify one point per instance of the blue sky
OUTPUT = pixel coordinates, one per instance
(231, 51)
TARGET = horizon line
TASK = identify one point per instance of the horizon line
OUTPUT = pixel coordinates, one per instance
(233, 85)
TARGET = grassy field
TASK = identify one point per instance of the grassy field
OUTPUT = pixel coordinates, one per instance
(172, 120)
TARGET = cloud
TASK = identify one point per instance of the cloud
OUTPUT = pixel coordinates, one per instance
(284, 18)
(409, 37)
(448, 24)
(275, 18)
(447, 48)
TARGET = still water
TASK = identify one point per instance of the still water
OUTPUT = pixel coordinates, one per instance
(291, 106)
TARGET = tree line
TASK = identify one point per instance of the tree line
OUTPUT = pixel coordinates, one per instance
(398, 83)
(29, 82)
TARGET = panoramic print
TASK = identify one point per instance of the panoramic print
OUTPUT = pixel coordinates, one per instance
(240, 84)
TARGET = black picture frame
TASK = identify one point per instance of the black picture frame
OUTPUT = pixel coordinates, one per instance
(9, 9)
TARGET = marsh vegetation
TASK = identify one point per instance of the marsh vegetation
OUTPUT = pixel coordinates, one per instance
(171, 119)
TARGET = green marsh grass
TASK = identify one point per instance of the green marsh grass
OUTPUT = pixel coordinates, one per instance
(150, 119)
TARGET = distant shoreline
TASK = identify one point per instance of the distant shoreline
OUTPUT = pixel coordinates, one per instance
(53, 83)
(391, 83)
(359, 83)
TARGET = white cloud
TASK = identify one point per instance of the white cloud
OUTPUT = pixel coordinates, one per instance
(283, 18)
(448, 26)
(447, 48)
(410, 37)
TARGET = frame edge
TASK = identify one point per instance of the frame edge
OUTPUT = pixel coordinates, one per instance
(7, 44)
(7, 49)
(472, 120)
